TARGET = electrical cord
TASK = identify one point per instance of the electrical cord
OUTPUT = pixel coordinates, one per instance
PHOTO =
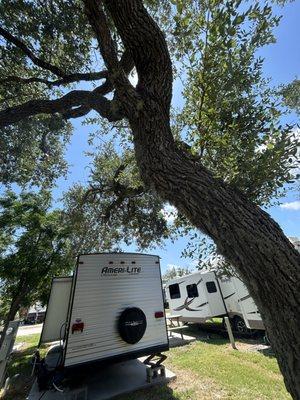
(58, 361)
(61, 344)
(57, 388)
(42, 395)
(60, 333)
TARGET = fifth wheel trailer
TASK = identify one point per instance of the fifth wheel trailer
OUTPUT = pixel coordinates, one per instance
(110, 310)
(202, 296)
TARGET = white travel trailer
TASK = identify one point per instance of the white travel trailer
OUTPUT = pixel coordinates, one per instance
(110, 310)
(202, 296)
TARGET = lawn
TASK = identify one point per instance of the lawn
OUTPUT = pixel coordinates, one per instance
(206, 369)
(21, 364)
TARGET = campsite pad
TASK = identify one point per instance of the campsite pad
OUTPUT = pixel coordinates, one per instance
(106, 383)
(176, 340)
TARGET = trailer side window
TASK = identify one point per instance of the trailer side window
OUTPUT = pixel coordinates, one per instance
(211, 287)
(174, 291)
(192, 290)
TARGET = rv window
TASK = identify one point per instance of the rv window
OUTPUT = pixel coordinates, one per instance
(192, 290)
(174, 291)
(211, 287)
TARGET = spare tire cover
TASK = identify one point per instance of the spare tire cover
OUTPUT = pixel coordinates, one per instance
(132, 325)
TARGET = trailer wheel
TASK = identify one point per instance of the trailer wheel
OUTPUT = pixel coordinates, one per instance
(240, 326)
(132, 325)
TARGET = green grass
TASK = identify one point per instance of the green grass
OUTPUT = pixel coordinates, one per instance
(21, 364)
(205, 369)
(211, 369)
(243, 375)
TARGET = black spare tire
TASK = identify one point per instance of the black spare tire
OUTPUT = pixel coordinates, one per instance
(132, 325)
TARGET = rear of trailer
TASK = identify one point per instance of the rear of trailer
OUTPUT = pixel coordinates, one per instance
(111, 309)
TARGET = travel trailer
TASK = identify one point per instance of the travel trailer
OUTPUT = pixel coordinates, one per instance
(112, 309)
(202, 296)
(35, 315)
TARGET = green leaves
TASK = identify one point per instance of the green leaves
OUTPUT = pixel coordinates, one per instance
(231, 117)
(230, 112)
(32, 151)
(115, 204)
(34, 246)
(291, 95)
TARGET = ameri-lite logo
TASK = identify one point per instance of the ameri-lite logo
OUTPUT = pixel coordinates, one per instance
(108, 271)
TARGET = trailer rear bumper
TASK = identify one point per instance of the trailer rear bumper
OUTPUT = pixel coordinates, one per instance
(121, 357)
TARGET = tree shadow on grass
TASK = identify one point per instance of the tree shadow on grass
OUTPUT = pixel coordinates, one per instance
(213, 333)
(157, 392)
(268, 352)
(19, 369)
(200, 334)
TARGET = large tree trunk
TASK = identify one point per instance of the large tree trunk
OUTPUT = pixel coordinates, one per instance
(249, 239)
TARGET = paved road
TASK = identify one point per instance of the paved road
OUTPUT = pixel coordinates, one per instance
(29, 329)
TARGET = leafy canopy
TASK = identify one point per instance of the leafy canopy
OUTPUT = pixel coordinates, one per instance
(230, 118)
(114, 209)
(291, 95)
(32, 151)
(34, 247)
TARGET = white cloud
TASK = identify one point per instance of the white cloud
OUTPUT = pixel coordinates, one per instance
(293, 205)
(170, 213)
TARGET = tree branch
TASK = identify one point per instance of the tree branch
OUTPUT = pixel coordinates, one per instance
(97, 18)
(144, 40)
(71, 105)
(126, 62)
(69, 78)
(117, 75)
(37, 61)
(120, 191)
(74, 104)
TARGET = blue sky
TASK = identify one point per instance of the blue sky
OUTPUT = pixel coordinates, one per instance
(282, 64)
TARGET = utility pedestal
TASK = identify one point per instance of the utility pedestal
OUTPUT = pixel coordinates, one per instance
(7, 347)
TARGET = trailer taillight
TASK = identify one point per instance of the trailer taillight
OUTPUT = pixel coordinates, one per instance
(159, 314)
(78, 326)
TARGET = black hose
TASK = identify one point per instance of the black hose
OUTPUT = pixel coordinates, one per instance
(42, 395)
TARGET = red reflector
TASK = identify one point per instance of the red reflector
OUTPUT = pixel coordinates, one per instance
(77, 327)
(159, 314)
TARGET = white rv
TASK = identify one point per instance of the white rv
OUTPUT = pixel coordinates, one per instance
(202, 296)
(111, 309)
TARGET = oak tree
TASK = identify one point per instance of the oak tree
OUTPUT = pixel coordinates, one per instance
(127, 37)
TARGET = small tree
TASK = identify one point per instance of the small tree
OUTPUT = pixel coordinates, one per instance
(34, 247)
(175, 271)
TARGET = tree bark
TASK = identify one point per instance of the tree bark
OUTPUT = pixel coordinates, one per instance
(246, 235)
